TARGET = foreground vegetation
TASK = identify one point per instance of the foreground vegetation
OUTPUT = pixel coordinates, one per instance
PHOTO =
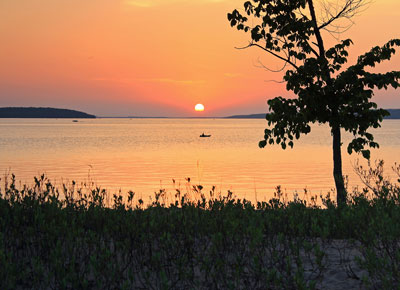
(70, 238)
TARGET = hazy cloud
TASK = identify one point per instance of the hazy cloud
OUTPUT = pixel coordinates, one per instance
(140, 3)
(167, 80)
(149, 80)
(233, 75)
(152, 3)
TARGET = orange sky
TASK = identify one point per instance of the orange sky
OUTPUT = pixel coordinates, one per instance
(151, 57)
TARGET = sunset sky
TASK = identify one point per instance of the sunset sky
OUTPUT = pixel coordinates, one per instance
(152, 57)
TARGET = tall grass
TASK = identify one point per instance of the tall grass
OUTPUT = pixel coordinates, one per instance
(80, 237)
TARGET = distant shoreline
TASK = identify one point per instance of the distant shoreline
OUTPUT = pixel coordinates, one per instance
(394, 114)
(54, 113)
(48, 113)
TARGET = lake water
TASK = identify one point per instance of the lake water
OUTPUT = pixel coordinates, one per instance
(145, 155)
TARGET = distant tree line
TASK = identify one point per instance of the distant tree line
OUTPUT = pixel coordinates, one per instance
(394, 114)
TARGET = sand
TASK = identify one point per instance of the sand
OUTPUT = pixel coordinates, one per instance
(342, 271)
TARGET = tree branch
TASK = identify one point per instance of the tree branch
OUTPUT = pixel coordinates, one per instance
(275, 81)
(273, 53)
(334, 17)
(349, 9)
(320, 42)
(261, 65)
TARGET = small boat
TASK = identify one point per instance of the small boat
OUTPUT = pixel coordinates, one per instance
(204, 135)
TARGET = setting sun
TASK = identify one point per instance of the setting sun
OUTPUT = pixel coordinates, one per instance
(199, 107)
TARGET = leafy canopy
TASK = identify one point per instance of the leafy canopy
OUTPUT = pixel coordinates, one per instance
(327, 93)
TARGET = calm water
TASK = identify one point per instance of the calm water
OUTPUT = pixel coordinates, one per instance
(144, 155)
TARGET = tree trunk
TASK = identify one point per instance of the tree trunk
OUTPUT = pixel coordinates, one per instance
(337, 154)
(337, 167)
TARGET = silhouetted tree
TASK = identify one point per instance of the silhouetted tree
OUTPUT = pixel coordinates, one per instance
(326, 92)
